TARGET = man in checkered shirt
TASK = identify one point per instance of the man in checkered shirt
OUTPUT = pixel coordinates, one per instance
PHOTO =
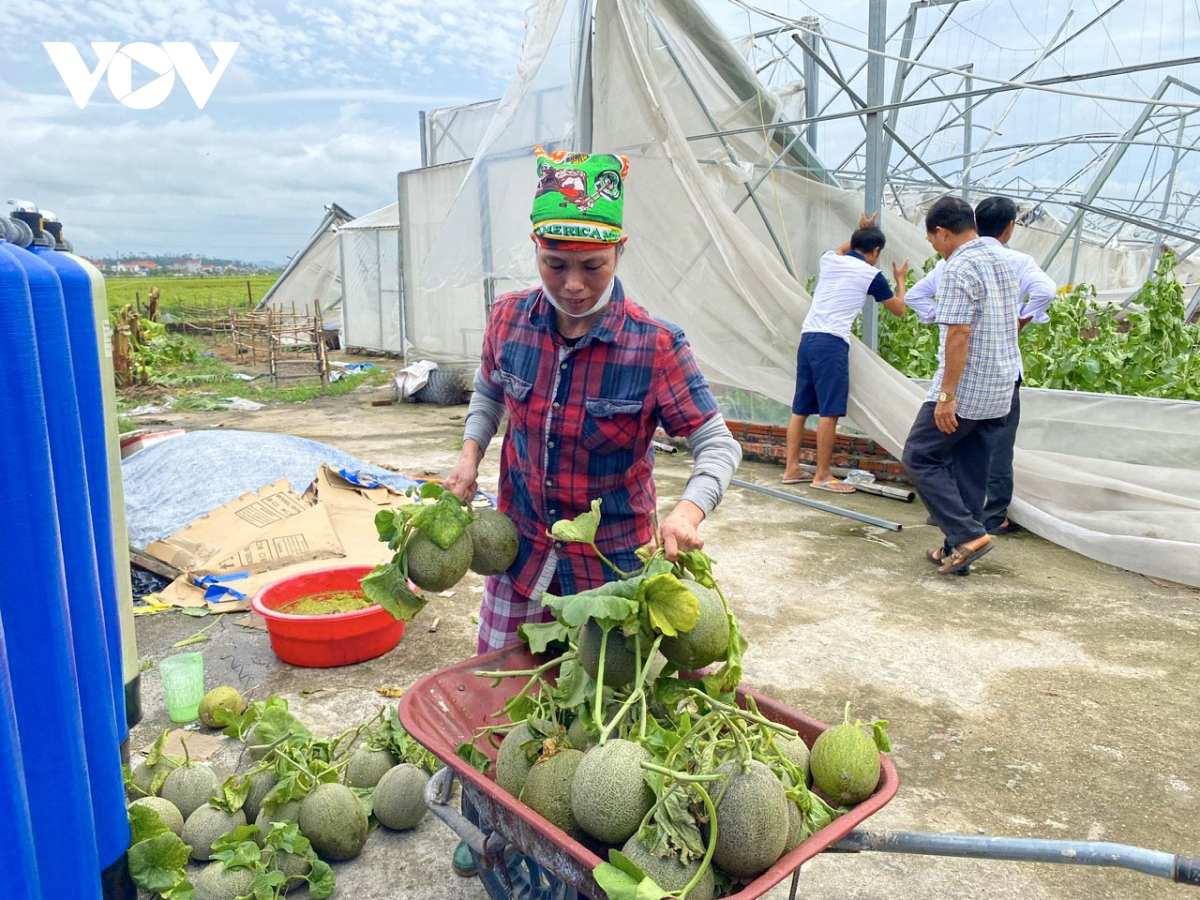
(949, 448)
(586, 376)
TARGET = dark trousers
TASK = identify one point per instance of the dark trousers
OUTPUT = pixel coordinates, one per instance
(950, 471)
(1000, 476)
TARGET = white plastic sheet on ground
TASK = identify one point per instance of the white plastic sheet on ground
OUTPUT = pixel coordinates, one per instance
(1114, 478)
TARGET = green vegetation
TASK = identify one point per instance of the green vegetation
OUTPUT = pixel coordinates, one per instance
(210, 292)
(179, 363)
(1085, 346)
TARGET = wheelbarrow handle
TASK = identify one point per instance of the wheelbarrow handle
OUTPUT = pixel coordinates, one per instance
(1181, 869)
(1187, 870)
(437, 797)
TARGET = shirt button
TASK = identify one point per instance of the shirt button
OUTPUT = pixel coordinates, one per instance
(549, 482)
(550, 444)
(554, 512)
(563, 366)
(557, 405)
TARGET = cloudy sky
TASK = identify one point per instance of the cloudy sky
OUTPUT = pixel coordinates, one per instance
(321, 106)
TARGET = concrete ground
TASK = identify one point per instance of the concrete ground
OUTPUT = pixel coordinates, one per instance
(1046, 695)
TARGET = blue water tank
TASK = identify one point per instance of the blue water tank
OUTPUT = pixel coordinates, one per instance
(33, 604)
(16, 850)
(85, 362)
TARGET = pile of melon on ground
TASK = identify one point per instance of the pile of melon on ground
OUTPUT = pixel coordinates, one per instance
(666, 773)
(271, 828)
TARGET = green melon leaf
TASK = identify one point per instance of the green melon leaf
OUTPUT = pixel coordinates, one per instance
(321, 880)
(879, 733)
(581, 529)
(474, 757)
(144, 824)
(616, 884)
(672, 607)
(388, 586)
(157, 865)
(444, 521)
(610, 604)
(539, 635)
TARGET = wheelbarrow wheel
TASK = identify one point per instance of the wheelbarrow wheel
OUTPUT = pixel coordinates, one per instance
(521, 878)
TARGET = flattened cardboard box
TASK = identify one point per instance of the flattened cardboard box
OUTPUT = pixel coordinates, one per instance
(259, 531)
(348, 508)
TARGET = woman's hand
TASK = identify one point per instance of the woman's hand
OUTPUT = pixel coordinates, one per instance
(679, 532)
(463, 480)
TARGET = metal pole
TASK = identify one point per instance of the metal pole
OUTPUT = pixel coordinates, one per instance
(583, 78)
(968, 123)
(424, 140)
(812, 99)
(783, 253)
(1181, 869)
(876, 168)
(1114, 159)
(813, 504)
(1166, 204)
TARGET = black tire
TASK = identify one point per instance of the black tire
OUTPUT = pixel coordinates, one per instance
(528, 880)
(445, 387)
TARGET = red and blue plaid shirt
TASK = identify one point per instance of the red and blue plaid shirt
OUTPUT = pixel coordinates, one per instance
(581, 420)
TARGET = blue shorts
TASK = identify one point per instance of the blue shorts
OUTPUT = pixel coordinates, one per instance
(822, 375)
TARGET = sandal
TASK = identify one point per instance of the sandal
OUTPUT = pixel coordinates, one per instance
(834, 487)
(937, 553)
(804, 476)
(962, 557)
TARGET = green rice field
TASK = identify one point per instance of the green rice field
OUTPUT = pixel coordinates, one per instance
(216, 292)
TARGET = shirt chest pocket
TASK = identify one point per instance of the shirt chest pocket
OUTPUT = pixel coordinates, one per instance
(516, 394)
(611, 425)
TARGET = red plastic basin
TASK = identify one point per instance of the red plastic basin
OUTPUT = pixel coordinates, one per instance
(321, 642)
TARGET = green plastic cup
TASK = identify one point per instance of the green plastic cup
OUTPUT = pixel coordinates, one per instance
(183, 685)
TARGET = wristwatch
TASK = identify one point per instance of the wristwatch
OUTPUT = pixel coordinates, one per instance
(943, 397)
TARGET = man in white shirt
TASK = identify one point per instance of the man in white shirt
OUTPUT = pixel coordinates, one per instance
(848, 276)
(995, 218)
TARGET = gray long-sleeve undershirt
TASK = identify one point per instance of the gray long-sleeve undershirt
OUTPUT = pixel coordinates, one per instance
(716, 453)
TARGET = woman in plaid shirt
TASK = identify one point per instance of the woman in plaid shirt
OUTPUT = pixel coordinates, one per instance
(586, 376)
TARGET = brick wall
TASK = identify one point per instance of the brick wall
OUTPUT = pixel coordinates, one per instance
(768, 443)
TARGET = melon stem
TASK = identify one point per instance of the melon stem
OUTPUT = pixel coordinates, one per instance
(638, 692)
(742, 713)
(712, 844)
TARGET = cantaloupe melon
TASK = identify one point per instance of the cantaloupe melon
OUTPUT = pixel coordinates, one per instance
(752, 823)
(845, 764)
(670, 874)
(189, 788)
(164, 809)
(433, 569)
(207, 824)
(707, 641)
(495, 542)
(547, 789)
(334, 820)
(400, 797)
(609, 795)
(367, 766)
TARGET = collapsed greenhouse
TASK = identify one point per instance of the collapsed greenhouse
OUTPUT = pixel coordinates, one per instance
(750, 158)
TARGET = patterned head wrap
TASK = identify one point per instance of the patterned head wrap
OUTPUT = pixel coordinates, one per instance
(580, 199)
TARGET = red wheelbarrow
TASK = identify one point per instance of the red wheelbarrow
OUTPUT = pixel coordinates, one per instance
(522, 856)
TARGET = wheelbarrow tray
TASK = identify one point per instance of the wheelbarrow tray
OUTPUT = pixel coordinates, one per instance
(447, 707)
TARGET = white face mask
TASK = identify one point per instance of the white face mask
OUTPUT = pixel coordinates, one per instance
(599, 304)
